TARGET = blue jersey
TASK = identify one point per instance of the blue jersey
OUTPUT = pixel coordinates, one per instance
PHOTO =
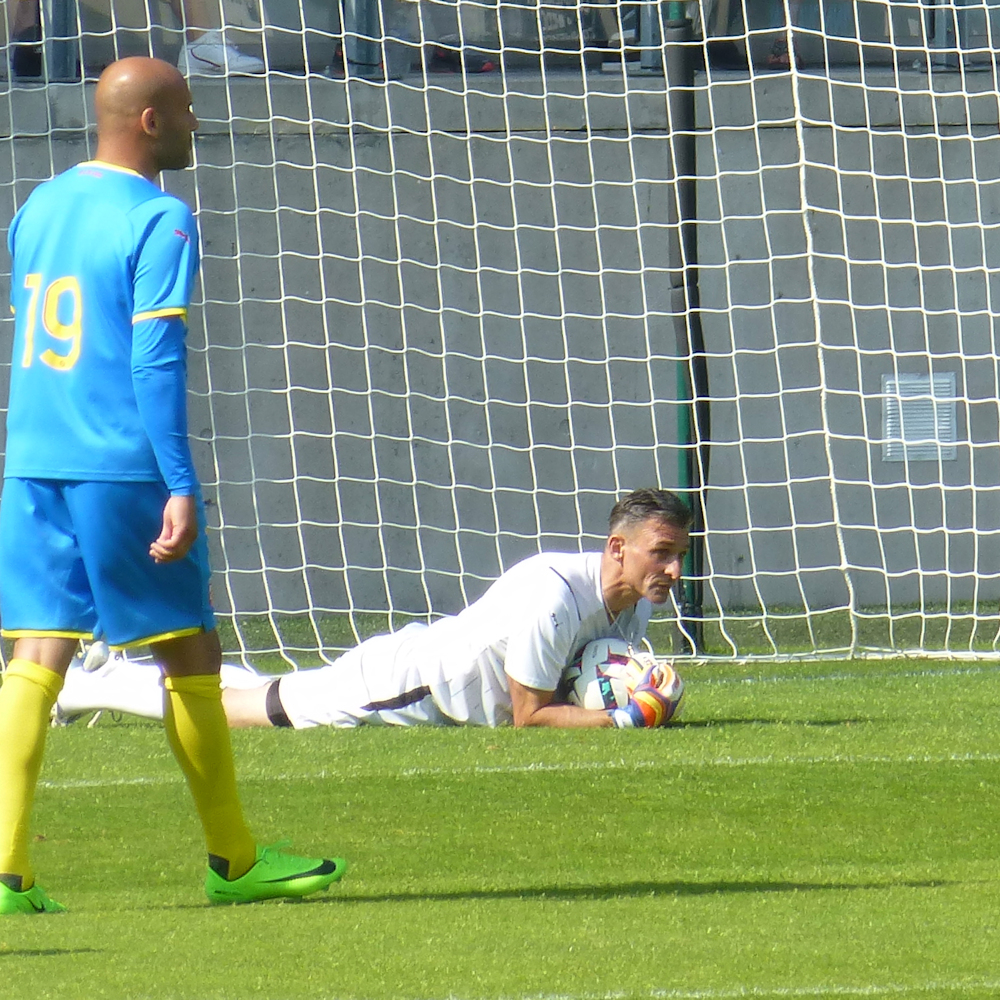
(103, 268)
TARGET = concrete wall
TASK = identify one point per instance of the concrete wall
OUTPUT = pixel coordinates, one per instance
(831, 280)
(437, 332)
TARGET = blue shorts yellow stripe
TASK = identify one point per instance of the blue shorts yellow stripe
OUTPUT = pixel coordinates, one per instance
(74, 561)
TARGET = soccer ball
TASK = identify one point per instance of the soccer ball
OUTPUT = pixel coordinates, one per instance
(605, 673)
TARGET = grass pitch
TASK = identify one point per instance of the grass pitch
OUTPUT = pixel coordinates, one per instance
(809, 831)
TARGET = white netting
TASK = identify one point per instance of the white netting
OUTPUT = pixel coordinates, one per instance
(449, 317)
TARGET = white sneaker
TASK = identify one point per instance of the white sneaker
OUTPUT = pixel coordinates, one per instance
(119, 685)
(96, 656)
(58, 717)
(209, 55)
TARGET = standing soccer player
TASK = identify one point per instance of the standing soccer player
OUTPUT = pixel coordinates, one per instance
(101, 518)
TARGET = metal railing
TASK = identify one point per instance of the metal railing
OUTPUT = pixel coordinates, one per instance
(955, 31)
(362, 51)
(61, 40)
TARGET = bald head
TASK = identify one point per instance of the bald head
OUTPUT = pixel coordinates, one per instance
(144, 117)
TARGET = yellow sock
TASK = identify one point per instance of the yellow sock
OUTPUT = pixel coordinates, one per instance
(26, 698)
(199, 737)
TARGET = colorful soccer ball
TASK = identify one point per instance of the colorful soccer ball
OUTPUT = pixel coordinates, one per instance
(607, 671)
(603, 675)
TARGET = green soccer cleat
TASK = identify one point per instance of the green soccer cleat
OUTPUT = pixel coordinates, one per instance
(275, 875)
(33, 900)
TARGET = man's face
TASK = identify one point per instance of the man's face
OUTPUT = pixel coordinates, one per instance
(176, 123)
(651, 555)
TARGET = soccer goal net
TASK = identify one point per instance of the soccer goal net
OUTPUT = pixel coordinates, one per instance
(471, 271)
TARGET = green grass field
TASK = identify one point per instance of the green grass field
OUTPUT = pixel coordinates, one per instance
(820, 830)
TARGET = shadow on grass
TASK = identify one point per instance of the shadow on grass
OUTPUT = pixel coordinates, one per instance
(45, 952)
(586, 892)
(710, 723)
(597, 892)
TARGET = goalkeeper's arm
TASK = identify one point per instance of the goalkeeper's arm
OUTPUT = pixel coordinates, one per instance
(533, 707)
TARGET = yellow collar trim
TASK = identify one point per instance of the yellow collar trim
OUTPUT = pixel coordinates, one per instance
(110, 166)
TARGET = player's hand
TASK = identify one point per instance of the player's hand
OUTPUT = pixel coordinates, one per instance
(649, 706)
(643, 660)
(179, 531)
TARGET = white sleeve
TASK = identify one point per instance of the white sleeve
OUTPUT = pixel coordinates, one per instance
(539, 649)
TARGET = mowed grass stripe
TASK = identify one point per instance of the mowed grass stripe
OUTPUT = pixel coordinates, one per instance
(890, 989)
(71, 784)
(735, 993)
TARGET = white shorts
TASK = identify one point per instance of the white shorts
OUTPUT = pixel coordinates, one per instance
(362, 687)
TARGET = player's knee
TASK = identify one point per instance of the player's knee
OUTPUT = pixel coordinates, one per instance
(200, 653)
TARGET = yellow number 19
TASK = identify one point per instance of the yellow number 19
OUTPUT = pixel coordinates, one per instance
(54, 327)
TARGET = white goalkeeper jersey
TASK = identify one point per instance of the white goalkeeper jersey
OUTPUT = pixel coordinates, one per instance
(529, 625)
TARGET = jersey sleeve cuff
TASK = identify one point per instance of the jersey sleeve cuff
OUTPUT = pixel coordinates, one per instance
(177, 311)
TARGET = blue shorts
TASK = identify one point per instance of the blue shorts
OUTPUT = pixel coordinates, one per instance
(75, 562)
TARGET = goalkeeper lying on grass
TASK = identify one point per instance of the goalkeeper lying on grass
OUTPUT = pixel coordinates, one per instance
(498, 661)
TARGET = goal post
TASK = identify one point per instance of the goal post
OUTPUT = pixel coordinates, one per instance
(448, 317)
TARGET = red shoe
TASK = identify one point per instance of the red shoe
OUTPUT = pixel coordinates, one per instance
(455, 60)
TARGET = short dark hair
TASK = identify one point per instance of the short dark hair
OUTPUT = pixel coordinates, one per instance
(640, 505)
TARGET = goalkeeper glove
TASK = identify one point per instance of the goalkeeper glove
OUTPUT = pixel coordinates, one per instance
(647, 707)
